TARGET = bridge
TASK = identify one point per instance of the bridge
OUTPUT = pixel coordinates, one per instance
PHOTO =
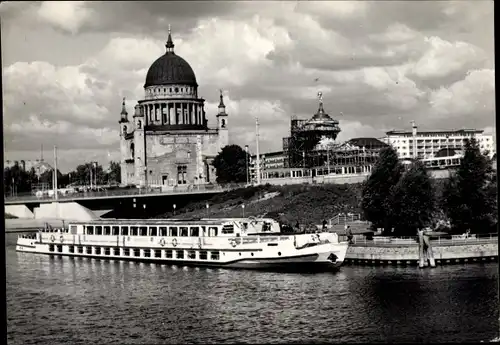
(123, 193)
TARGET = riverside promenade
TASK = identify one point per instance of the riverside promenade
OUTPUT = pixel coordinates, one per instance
(405, 251)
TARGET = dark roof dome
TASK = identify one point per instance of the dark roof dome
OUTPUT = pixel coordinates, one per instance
(170, 69)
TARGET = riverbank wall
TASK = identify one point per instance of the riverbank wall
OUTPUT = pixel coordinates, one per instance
(445, 252)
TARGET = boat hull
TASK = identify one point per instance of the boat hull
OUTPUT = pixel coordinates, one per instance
(324, 257)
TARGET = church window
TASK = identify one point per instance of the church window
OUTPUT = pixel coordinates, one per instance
(170, 90)
(176, 89)
(223, 123)
(139, 124)
(182, 89)
(132, 152)
(181, 174)
(124, 130)
(165, 90)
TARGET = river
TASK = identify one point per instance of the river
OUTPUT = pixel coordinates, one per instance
(60, 300)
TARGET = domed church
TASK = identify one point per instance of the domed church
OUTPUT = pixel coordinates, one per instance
(167, 141)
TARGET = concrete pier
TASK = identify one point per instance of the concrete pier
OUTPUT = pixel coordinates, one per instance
(449, 252)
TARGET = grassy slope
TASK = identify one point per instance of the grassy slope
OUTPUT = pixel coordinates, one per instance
(308, 204)
(303, 203)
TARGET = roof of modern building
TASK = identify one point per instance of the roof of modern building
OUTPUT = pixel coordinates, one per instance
(436, 131)
(367, 142)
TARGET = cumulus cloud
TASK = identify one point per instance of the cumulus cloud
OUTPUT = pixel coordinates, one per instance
(424, 61)
(66, 15)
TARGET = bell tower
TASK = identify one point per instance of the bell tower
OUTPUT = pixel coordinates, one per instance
(139, 146)
(222, 125)
(124, 128)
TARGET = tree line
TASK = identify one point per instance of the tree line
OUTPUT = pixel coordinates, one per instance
(20, 181)
(401, 201)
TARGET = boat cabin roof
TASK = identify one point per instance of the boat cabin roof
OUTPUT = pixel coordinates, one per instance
(169, 221)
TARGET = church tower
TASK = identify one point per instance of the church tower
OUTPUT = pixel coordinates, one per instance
(222, 125)
(139, 155)
(124, 127)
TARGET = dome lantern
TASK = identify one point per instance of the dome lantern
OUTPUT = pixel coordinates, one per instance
(170, 69)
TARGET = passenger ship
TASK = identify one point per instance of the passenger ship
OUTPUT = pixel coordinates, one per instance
(228, 242)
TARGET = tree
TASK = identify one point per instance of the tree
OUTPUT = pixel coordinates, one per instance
(114, 175)
(376, 200)
(230, 164)
(413, 201)
(469, 197)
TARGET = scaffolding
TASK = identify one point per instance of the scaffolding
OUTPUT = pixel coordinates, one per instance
(301, 146)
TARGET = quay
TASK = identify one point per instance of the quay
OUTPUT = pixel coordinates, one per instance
(405, 251)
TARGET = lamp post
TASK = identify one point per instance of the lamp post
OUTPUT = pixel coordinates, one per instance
(207, 206)
(447, 145)
(246, 161)
(243, 209)
(174, 206)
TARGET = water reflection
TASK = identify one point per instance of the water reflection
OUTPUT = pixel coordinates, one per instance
(128, 303)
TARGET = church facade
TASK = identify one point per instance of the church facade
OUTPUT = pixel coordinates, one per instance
(167, 142)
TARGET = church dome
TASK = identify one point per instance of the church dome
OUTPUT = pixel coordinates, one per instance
(170, 69)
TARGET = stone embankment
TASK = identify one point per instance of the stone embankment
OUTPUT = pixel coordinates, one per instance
(407, 252)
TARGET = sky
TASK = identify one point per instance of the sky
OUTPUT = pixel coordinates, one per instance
(379, 65)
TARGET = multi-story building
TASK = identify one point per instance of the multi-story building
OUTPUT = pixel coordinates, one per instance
(168, 142)
(39, 165)
(425, 144)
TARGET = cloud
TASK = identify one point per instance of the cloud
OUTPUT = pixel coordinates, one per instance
(379, 64)
(66, 15)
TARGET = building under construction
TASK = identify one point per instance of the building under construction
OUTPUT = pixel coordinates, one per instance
(300, 148)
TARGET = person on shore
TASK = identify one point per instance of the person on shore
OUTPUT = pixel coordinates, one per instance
(349, 234)
(324, 225)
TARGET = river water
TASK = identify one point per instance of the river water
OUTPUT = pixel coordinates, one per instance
(54, 300)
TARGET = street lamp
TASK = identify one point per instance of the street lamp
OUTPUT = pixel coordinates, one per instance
(447, 146)
(207, 209)
(246, 161)
(174, 206)
(243, 209)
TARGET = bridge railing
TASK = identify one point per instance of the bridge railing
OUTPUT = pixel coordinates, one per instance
(178, 189)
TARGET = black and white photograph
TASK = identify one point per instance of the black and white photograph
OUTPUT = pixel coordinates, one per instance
(225, 172)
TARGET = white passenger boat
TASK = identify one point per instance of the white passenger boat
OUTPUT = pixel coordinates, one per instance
(228, 242)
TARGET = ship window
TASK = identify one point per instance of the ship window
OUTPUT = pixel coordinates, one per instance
(147, 253)
(214, 256)
(191, 254)
(180, 254)
(98, 250)
(116, 230)
(173, 231)
(107, 230)
(228, 229)
(73, 229)
(163, 231)
(212, 231)
(195, 231)
(51, 247)
(137, 252)
(80, 249)
(168, 254)
(59, 248)
(107, 251)
(157, 253)
(98, 230)
(71, 249)
(134, 231)
(126, 252)
(89, 250)
(124, 230)
(90, 230)
(116, 251)
(184, 231)
(203, 255)
(143, 231)
(153, 231)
